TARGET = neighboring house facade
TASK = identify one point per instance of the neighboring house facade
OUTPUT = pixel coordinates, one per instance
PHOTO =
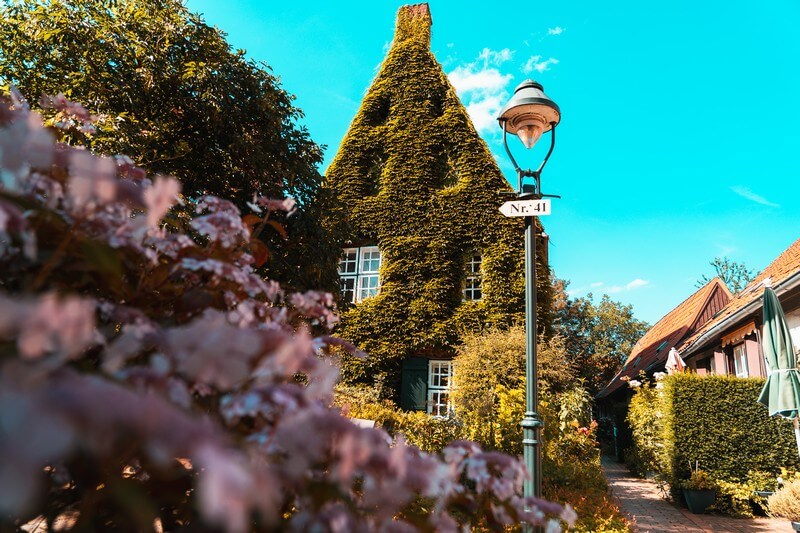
(426, 255)
(649, 354)
(730, 343)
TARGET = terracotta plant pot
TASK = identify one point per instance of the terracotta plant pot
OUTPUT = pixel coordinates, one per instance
(699, 500)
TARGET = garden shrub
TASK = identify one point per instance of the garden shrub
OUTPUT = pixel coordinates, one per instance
(428, 433)
(489, 397)
(714, 421)
(149, 377)
(785, 503)
(734, 499)
(646, 420)
(717, 421)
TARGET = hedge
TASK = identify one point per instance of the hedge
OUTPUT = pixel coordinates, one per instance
(714, 421)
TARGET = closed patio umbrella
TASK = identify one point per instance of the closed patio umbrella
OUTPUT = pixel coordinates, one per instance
(781, 392)
(675, 362)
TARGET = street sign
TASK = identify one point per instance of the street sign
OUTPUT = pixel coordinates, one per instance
(526, 208)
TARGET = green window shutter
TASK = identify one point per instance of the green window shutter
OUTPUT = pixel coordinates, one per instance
(414, 384)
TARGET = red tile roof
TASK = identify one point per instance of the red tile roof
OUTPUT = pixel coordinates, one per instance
(781, 269)
(651, 351)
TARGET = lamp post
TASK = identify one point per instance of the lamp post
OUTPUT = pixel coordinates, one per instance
(528, 115)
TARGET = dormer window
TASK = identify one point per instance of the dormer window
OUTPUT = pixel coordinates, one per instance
(473, 281)
(359, 272)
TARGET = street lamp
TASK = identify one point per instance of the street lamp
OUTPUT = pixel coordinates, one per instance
(528, 115)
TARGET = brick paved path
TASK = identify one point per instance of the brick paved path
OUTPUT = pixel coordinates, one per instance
(641, 500)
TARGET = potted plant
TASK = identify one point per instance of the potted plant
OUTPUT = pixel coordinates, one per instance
(699, 490)
(786, 503)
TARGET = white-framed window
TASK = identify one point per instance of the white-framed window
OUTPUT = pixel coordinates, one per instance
(358, 270)
(440, 373)
(740, 361)
(473, 281)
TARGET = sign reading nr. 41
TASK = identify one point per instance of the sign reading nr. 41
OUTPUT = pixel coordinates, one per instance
(526, 208)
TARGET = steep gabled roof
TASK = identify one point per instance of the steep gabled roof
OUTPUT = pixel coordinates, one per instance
(784, 268)
(650, 353)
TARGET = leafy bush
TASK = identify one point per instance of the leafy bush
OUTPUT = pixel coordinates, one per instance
(596, 509)
(488, 392)
(489, 397)
(150, 376)
(717, 421)
(714, 420)
(428, 433)
(786, 502)
(734, 499)
(646, 420)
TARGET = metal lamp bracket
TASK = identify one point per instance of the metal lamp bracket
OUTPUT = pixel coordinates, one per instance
(534, 191)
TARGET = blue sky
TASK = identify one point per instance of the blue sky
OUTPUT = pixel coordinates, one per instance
(679, 139)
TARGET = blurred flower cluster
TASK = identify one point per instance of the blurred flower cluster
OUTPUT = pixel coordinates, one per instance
(150, 379)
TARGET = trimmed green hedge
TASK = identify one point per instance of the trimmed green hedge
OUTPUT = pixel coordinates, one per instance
(714, 421)
(717, 421)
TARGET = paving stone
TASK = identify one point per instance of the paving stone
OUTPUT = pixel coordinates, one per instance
(642, 501)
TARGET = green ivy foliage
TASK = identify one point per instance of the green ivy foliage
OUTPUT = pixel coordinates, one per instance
(713, 421)
(413, 176)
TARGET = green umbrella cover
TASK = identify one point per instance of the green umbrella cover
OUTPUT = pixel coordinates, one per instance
(781, 393)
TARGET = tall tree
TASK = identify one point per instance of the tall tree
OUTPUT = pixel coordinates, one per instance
(598, 337)
(168, 90)
(735, 275)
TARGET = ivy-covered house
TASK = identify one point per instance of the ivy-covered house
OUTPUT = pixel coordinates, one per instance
(426, 255)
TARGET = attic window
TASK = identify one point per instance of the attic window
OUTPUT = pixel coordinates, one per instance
(661, 346)
(447, 169)
(374, 173)
(636, 362)
(378, 111)
(436, 103)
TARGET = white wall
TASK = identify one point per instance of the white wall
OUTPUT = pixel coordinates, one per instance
(793, 321)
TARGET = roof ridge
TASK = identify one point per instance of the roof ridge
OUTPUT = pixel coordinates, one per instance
(789, 257)
(639, 347)
(717, 281)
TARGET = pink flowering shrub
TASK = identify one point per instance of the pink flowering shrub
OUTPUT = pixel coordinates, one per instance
(149, 378)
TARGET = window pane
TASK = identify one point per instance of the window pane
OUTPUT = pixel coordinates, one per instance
(370, 260)
(349, 288)
(474, 278)
(474, 264)
(740, 361)
(349, 261)
(438, 403)
(368, 286)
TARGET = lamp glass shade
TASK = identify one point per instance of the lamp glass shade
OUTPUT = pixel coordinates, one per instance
(530, 130)
(529, 113)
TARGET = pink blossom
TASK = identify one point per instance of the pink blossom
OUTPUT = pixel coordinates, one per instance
(159, 198)
(50, 325)
(92, 180)
(24, 144)
(289, 205)
(226, 489)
